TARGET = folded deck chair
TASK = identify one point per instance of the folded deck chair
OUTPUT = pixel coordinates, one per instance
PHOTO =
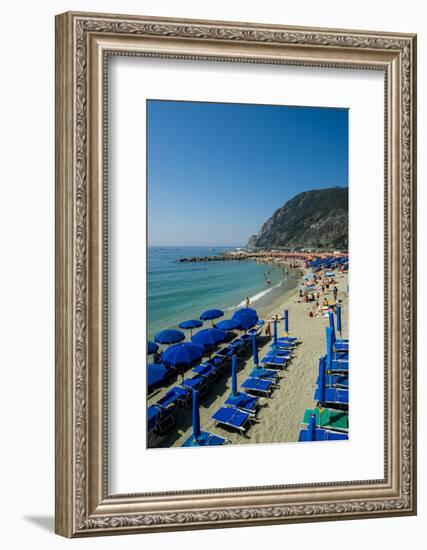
(159, 419)
(340, 355)
(196, 383)
(339, 366)
(176, 396)
(244, 402)
(336, 380)
(273, 361)
(333, 396)
(262, 372)
(258, 385)
(233, 418)
(206, 439)
(341, 346)
(329, 419)
(321, 435)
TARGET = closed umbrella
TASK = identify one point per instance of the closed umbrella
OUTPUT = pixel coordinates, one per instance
(196, 416)
(234, 375)
(255, 350)
(275, 333)
(190, 324)
(169, 336)
(286, 316)
(339, 326)
(321, 385)
(311, 428)
(332, 324)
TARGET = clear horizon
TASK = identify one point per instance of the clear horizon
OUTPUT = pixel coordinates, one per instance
(216, 172)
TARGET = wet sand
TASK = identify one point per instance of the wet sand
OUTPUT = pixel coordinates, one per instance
(279, 419)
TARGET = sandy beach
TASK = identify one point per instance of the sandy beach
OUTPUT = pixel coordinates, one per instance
(279, 418)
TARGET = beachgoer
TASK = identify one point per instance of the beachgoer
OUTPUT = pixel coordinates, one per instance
(247, 302)
(325, 302)
(335, 290)
(267, 329)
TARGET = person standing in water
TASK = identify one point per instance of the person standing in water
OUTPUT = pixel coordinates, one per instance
(247, 302)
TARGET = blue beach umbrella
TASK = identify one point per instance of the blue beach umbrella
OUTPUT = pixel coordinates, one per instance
(247, 317)
(311, 429)
(196, 416)
(182, 356)
(211, 314)
(286, 318)
(156, 375)
(255, 350)
(190, 324)
(169, 336)
(339, 327)
(228, 324)
(245, 311)
(209, 337)
(151, 348)
(234, 375)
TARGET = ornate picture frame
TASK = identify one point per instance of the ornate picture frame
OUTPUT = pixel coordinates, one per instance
(83, 43)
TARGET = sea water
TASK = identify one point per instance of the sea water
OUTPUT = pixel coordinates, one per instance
(179, 291)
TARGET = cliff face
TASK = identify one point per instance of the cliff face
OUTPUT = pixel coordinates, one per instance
(313, 219)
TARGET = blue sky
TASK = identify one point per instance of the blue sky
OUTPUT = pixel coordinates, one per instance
(217, 171)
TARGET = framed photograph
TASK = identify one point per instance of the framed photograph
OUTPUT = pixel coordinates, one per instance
(235, 274)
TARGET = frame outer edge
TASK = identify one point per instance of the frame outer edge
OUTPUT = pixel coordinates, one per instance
(73, 401)
(64, 276)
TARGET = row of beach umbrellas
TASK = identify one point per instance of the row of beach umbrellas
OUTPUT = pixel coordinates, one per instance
(181, 355)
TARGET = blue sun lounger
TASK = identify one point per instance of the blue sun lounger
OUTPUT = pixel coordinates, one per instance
(208, 371)
(199, 438)
(236, 347)
(274, 361)
(211, 369)
(159, 419)
(314, 433)
(336, 380)
(232, 418)
(332, 396)
(196, 383)
(262, 372)
(205, 439)
(339, 367)
(279, 352)
(176, 396)
(244, 402)
(340, 355)
(258, 385)
(341, 346)
(320, 435)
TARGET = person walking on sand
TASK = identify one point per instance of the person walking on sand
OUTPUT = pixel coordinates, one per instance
(267, 329)
(335, 291)
(247, 302)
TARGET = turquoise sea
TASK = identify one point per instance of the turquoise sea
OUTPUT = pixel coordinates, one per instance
(179, 291)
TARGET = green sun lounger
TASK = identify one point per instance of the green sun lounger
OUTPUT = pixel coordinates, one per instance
(328, 418)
